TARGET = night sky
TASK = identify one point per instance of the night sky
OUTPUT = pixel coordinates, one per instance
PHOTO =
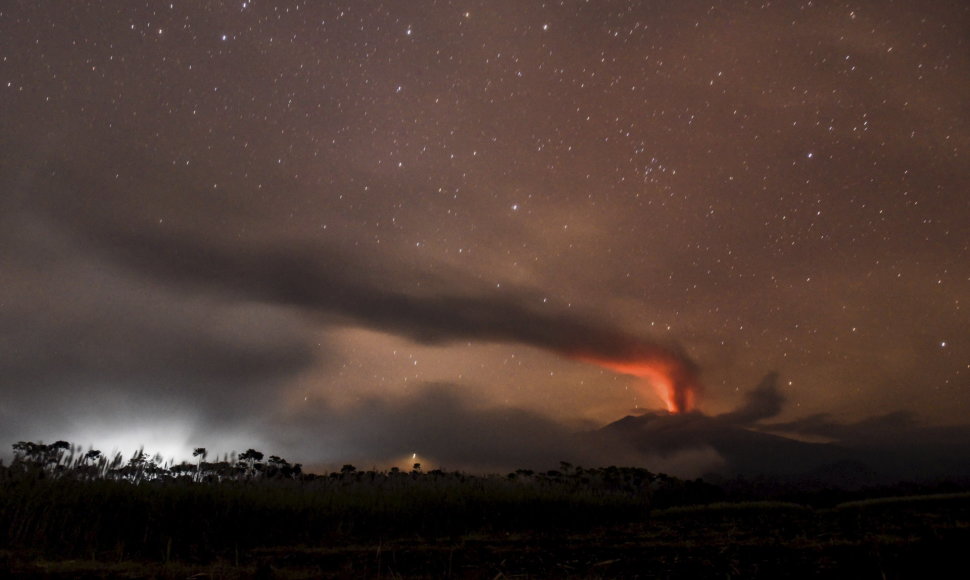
(353, 231)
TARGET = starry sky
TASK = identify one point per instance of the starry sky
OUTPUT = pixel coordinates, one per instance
(359, 230)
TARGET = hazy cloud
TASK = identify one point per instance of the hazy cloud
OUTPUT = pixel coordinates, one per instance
(336, 283)
(449, 426)
(762, 402)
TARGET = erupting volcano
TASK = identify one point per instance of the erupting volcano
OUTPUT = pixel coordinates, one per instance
(672, 378)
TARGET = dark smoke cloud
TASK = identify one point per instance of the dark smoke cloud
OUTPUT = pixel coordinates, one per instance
(200, 314)
(324, 280)
(114, 314)
(762, 402)
(340, 284)
(85, 336)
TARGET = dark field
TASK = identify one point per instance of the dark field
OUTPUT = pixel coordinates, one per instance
(60, 520)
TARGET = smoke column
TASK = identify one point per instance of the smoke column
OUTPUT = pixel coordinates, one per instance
(343, 286)
(671, 376)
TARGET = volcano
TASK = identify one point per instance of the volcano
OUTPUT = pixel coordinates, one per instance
(745, 451)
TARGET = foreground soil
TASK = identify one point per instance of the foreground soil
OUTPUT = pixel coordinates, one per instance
(906, 538)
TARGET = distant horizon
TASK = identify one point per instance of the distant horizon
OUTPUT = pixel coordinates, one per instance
(691, 444)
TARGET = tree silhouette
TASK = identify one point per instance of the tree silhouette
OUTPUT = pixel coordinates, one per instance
(55, 451)
(279, 467)
(136, 466)
(250, 458)
(28, 451)
(201, 453)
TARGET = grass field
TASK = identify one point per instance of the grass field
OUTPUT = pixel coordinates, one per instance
(61, 520)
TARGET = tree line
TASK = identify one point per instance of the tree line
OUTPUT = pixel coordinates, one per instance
(62, 459)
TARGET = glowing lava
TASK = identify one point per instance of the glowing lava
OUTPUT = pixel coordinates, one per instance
(671, 379)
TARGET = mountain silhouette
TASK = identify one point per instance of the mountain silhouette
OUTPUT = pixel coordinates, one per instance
(745, 451)
(873, 451)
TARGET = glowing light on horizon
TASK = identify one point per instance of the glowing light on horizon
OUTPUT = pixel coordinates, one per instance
(670, 381)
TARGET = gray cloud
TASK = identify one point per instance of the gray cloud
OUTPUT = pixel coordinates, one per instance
(86, 335)
(450, 427)
(445, 424)
(337, 284)
(762, 402)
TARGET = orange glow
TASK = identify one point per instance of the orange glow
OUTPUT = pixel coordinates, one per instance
(669, 379)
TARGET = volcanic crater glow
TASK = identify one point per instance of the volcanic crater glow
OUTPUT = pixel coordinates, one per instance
(670, 380)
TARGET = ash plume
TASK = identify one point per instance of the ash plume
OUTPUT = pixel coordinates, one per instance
(366, 292)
